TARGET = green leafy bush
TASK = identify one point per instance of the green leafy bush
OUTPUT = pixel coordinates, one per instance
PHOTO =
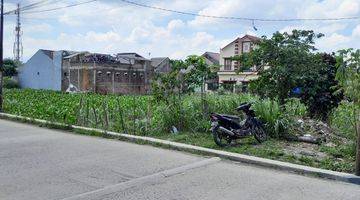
(144, 114)
(294, 108)
(10, 83)
(278, 118)
(10, 67)
(270, 112)
(296, 70)
(343, 119)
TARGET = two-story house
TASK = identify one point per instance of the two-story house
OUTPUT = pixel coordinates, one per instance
(227, 73)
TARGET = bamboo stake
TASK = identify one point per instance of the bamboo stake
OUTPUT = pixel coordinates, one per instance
(95, 116)
(79, 111)
(121, 113)
(106, 116)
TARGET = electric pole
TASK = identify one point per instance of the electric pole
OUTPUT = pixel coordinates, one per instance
(17, 45)
(1, 53)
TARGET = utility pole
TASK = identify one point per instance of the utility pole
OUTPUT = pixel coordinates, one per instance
(17, 44)
(357, 127)
(1, 53)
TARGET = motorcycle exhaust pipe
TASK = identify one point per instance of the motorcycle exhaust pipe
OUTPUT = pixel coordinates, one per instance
(227, 131)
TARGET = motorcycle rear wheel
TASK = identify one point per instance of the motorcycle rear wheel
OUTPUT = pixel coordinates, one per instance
(221, 139)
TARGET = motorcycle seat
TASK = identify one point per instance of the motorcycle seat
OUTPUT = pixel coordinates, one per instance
(234, 117)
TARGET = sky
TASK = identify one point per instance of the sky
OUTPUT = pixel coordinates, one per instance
(112, 26)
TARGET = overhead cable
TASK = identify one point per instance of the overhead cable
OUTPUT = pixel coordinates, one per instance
(239, 18)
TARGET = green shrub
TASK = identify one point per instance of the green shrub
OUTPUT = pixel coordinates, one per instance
(278, 118)
(269, 111)
(294, 108)
(143, 114)
(10, 83)
(343, 119)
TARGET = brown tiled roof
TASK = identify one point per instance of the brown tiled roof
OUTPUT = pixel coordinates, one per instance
(250, 37)
(213, 57)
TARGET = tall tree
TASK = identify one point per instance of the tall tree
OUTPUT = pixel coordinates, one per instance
(289, 65)
(348, 75)
(10, 67)
(198, 73)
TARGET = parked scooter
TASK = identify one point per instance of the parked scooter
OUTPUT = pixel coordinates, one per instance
(226, 128)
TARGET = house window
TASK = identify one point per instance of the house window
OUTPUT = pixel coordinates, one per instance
(227, 65)
(246, 47)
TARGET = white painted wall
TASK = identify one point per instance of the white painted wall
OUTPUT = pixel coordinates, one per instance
(226, 52)
(41, 72)
(229, 51)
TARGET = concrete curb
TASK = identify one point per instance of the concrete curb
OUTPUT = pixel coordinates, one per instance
(300, 169)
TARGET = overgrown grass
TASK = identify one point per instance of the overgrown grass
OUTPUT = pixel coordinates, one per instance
(343, 119)
(143, 115)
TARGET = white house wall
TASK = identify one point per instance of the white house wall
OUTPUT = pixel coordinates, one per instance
(41, 72)
(226, 52)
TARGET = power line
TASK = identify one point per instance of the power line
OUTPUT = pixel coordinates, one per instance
(33, 5)
(58, 8)
(43, 3)
(239, 18)
(27, 7)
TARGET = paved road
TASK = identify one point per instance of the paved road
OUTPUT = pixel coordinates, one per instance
(38, 163)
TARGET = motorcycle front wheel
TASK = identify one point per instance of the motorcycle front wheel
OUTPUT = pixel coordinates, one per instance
(259, 133)
(220, 138)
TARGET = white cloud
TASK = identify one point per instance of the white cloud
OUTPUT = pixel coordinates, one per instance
(330, 8)
(183, 5)
(218, 8)
(110, 26)
(175, 24)
(333, 42)
(37, 28)
(356, 31)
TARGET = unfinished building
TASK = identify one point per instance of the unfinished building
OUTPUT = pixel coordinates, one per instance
(101, 73)
(123, 73)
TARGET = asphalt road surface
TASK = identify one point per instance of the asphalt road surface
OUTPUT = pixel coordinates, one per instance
(39, 163)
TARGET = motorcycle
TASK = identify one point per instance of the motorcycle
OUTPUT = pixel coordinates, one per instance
(227, 128)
